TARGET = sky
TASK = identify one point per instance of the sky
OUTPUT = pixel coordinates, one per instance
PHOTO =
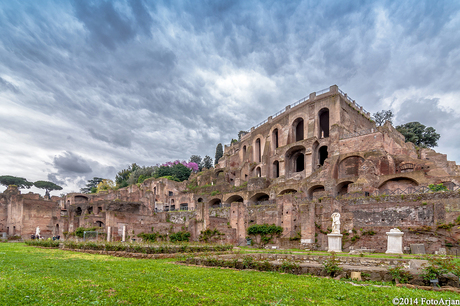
(89, 87)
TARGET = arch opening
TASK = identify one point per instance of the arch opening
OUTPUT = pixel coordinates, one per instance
(275, 138)
(78, 211)
(258, 150)
(215, 203)
(286, 191)
(258, 172)
(183, 206)
(258, 198)
(300, 163)
(322, 155)
(342, 188)
(323, 123)
(316, 192)
(100, 224)
(276, 169)
(298, 128)
(234, 198)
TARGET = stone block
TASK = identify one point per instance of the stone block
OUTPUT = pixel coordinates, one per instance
(355, 276)
(417, 249)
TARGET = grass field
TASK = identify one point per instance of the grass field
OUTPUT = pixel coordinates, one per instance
(34, 276)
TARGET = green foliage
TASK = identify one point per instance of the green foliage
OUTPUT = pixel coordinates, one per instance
(43, 243)
(148, 237)
(141, 174)
(106, 185)
(438, 265)
(420, 135)
(177, 172)
(79, 232)
(219, 153)
(207, 162)
(179, 236)
(289, 266)
(48, 186)
(91, 186)
(398, 273)
(437, 188)
(208, 235)
(265, 232)
(383, 116)
(215, 192)
(88, 279)
(20, 182)
(331, 265)
(121, 179)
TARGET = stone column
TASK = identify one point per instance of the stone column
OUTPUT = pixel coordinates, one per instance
(394, 245)
(109, 233)
(123, 237)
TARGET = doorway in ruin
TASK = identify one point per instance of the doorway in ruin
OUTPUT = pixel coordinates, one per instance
(275, 138)
(323, 117)
(322, 152)
(258, 152)
(56, 230)
(78, 211)
(276, 169)
(298, 128)
(234, 198)
(215, 203)
(258, 172)
(300, 162)
(259, 198)
(342, 188)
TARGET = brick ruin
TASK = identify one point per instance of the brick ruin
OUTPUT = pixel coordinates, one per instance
(320, 155)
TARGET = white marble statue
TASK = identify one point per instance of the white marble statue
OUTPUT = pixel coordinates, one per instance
(335, 223)
(37, 231)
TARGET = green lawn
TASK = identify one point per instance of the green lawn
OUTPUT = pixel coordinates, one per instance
(33, 276)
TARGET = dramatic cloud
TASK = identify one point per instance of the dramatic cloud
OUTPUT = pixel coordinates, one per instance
(89, 87)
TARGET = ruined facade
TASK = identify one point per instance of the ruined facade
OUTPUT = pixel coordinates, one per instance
(319, 155)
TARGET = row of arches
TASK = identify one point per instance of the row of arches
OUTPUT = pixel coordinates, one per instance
(315, 191)
(297, 134)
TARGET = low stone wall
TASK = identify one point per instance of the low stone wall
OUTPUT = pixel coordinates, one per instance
(374, 269)
(134, 255)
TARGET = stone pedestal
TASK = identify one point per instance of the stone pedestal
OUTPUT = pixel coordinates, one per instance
(394, 245)
(334, 243)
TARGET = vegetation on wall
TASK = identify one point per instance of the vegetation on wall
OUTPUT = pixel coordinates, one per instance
(264, 233)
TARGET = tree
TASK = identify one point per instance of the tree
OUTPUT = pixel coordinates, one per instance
(197, 160)
(176, 172)
(383, 116)
(106, 185)
(7, 180)
(207, 162)
(265, 233)
(91, 186)
(122, 177)
(420, 135)
(219, 153)
(48, 186)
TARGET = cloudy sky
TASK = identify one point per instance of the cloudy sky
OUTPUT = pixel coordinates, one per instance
(89, 87)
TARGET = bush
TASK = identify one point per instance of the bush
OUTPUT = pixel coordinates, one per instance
(331, 265)
(179, 236)
(398, 273)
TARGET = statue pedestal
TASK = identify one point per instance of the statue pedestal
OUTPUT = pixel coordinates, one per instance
(394, 245)
(334, 243)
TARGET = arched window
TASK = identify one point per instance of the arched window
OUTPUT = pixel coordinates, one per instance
(258, 151)
(322, 154)
(276, 169)
(323, 123)
(244, 151)
(297, 126)
(258, 172)
(275, 138)
(300, 163)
